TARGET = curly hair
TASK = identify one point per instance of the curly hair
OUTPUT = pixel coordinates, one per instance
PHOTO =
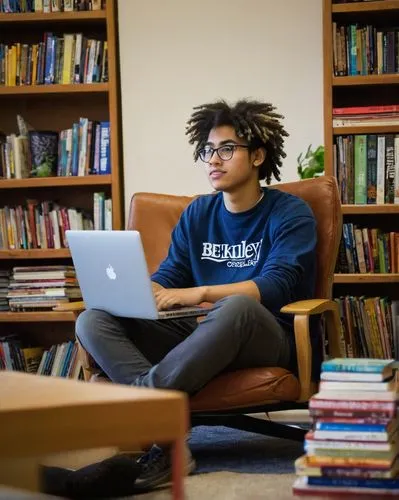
(255, 121)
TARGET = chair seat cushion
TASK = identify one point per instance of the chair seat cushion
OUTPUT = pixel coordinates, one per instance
(246, 388)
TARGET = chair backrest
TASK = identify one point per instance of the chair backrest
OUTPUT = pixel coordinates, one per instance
(155, 216)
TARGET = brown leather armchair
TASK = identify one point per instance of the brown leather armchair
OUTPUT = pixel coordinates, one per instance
(230, 397)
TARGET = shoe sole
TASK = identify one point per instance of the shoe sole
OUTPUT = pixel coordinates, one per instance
(162, 480)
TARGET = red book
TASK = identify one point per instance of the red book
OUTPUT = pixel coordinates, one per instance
(360, 110)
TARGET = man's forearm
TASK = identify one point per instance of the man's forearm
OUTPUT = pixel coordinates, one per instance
(217, 292)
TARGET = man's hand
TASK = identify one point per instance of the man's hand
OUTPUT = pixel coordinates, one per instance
(156, 287)
(170, 297)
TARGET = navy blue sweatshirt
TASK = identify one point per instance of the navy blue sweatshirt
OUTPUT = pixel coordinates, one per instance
(273, 244)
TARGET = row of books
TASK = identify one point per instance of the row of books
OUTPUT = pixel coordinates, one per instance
(367, 250)
(366, 116)
(70, 58)
(84, 149)
(18, 6)
(367, 168)
(364, 50)
(369, 326)
(81, 150)
(60, 360)
(352, 448)
(43, 224)
(41, 288)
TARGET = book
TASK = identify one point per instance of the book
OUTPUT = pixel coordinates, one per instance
(301, 487)
(356, 376)
(357, 396)
(349, 482)
(361, 365)
(357, 386)
(302, 468)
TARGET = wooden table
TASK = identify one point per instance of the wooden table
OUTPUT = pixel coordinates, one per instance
(40, 415)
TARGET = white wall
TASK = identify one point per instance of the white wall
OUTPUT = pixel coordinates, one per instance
(176, 54)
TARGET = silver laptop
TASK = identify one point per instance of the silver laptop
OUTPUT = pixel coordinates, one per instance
(113, 275)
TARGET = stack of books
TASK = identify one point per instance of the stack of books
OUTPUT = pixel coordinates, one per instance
(42, 288)
(4, 281)
(353, 445)
(366, 116)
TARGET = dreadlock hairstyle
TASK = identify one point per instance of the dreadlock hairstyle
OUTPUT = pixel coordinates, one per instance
(255, 121)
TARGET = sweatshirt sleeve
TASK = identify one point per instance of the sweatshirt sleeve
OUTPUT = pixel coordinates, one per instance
(292, 253)
(175, 270)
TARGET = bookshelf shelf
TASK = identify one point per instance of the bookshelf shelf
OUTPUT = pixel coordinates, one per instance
(386, 5)
(374, 129)
(85, 125)
(92, 180)
(366, 278)
(36, 317)
(369, 209)
(347, 81)
(36, 253)
(54, 17)
(370, 230)
(54, 89)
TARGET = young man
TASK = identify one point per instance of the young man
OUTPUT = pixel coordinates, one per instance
(247, 249)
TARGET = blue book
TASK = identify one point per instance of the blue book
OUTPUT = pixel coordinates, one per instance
(361, 365)
(48, 68)
(75, 149)
(331, 426)
(105, 160)
(354, 482)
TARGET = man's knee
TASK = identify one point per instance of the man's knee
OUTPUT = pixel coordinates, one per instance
(88, 325)
(237, 305)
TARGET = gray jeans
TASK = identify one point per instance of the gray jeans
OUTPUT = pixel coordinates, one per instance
(180, 353)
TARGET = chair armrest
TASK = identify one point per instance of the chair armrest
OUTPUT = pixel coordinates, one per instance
(75, 307)
(302, 310)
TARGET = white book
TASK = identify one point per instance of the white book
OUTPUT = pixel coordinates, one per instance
(352, 376)
(313, 445)
(396, 201)
(68, 5)
(381, 170)
(357, 396)
(39, 6)
(329, 385)
(353, 435)
(56, 228)
(78, 55)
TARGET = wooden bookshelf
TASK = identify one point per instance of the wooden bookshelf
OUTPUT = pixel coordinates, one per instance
(62, 253)
(370, 209)
(36, 317)
(360, 7)
(359, 90)
(366, 278)
(56, 182)
(55, 107)
(85, 17)
(85, 88)
(350, 81)
(380, 129)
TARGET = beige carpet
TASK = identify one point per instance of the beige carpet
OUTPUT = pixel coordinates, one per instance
(232, 486)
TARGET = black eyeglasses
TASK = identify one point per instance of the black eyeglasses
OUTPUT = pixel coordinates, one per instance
(224, 152)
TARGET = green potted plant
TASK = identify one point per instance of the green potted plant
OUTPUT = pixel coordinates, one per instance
(311, 163)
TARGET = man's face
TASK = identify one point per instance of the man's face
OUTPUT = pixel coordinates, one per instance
(232, 167)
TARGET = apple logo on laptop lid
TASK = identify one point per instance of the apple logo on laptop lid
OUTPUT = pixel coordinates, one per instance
(110, 272)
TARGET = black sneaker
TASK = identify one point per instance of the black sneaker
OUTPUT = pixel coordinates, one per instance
(110, 478)
(156, 468)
